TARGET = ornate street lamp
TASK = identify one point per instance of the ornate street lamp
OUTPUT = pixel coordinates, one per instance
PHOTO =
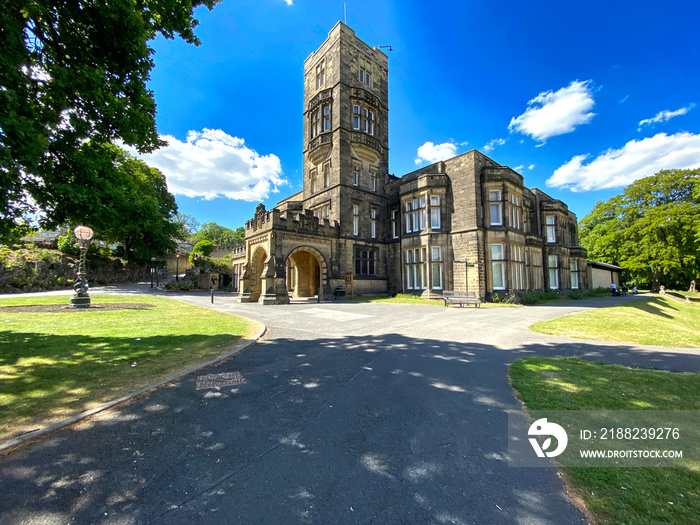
(153, 265)
(81, 298)
(177, 267)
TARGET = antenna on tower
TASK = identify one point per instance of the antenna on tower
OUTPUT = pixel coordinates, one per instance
(345, 12)
(384, 47)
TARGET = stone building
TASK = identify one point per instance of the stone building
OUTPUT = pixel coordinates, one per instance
(466, 223)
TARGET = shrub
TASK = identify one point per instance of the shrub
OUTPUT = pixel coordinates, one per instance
(506, 298)
(576, 295)
(204, 248)
(19, 282)
(184, 287)
(68, 245)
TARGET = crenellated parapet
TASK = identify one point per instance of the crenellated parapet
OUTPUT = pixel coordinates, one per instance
(238, 252)
(290, 220)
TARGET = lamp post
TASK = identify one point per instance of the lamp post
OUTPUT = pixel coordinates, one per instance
(81, 298)
(177, 267)
(153, 262)
(466, 271)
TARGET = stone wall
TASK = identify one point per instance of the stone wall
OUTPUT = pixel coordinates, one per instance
(26, 273)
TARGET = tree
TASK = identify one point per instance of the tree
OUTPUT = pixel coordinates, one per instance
(652, 229)
(121, 198)
(203, 248)
(188, 226)
(73, 71)
(220, 235)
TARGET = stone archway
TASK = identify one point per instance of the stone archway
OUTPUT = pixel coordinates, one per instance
(257, 264)
(307, 272)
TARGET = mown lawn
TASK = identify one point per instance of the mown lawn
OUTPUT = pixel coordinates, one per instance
(635, 496)
(54, 365)
(650, 321)
(414, 299)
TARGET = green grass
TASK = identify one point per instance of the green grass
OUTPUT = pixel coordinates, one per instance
(648, 321)
(693, 296)
(412, 299)
(54, 365)
(635, 496)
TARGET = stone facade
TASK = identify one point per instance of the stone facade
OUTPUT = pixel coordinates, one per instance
(466, 223)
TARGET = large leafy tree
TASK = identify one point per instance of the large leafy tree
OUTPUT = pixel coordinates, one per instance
(122, 198)
(187, 226)
(652, 229)
(73, 71)
(220, 235)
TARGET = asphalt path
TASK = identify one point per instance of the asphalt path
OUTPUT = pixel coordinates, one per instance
(349, 413)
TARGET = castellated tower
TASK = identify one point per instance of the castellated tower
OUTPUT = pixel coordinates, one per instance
(346, 135)
(465, 225)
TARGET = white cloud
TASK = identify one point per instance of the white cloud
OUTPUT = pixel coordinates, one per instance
(531, 167)
(430, 152)
(664, 116)
(635, 160)
(213, 164)
(556, 113)
(493, 143)
(289, 2)
(522, 167)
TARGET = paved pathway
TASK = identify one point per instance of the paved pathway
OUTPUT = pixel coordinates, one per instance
(350, 413)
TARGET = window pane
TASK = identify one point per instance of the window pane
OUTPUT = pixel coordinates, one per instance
(436, 253)
(498, 280)
(435, 200)
(495, 212)
(437, 275)
(497, 252)
(435, 218)
(494, 195)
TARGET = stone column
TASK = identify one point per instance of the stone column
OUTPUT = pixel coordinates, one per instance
(274, 286)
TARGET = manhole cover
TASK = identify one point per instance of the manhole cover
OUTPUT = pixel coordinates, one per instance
(219, 380)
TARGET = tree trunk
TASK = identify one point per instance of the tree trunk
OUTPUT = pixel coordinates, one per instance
(655, 280)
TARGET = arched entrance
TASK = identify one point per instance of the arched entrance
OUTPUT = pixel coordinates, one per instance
(306, 272)
(257, 264)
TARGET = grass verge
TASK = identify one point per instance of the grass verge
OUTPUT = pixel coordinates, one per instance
(414, 299)
(55, 365)
(648, 321)
(635, 496)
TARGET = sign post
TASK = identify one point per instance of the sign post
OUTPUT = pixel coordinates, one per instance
(468, 265)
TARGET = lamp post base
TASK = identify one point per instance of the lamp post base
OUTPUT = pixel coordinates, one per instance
(80, 301)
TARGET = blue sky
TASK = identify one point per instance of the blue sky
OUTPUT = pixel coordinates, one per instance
(581, 98)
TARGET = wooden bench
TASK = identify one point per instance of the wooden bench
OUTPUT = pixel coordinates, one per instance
(461, 298)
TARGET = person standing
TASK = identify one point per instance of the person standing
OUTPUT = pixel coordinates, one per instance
(613, 289)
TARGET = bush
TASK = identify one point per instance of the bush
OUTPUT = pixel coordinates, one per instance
(532, 297)
(19, 282)
(68, 245)
(576, 295)
(183, 287)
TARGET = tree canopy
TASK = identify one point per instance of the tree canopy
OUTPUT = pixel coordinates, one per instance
(652, 229)
(220, 235)
(121, 198)
(71, 72)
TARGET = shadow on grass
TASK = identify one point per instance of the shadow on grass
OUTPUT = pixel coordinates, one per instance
(653, 305)
(47, 374)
